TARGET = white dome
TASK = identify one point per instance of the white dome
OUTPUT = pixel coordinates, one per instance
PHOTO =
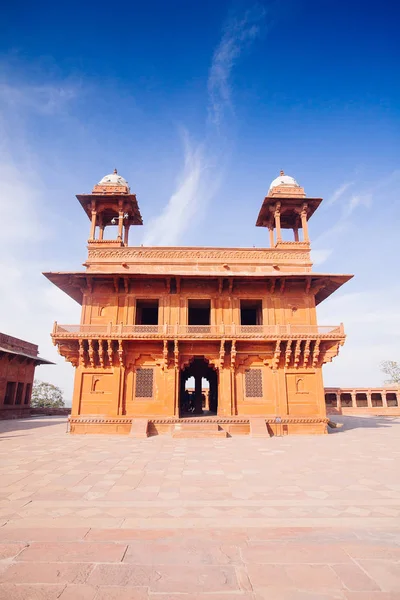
(113, 179)
(283, 180)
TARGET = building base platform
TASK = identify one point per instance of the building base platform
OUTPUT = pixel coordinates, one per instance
(199, 426)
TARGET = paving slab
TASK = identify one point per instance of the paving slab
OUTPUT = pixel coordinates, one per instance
(118, 517)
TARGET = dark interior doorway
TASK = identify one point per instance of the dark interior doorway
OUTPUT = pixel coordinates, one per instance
(193, 401)
(251, 312)
(199, 312)
(146, 312)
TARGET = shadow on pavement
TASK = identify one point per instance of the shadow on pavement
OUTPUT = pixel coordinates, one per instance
(31, 423)
(367, 422)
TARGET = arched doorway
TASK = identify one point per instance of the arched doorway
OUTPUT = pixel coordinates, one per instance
(192, 397)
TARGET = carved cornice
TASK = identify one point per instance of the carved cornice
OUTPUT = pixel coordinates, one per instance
(261, 255)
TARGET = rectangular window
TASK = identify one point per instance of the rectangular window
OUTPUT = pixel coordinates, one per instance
(10, 392)
(144, 383)
(18, 397)
(199, 312)
(27, 393)
(251, 312)
(253, 383)
(146, 312)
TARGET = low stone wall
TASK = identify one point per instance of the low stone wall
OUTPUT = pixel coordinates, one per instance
(21, 412)
(14, 412)
(51, 411)
(376, 411)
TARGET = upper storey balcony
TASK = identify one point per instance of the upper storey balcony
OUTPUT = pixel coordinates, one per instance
(194, 332)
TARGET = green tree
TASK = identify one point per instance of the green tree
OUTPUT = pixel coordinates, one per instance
(391, 368)
(46, 395)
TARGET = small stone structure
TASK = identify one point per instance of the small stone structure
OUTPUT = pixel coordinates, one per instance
(18, 360)
(353, 401)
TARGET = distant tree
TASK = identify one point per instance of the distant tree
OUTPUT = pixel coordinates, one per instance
(46, 395)
(391, 368)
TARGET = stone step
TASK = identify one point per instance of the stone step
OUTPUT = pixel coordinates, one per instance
(198, 426)
(184, 433)
(258, 427)
(139, 428)
(198, 430)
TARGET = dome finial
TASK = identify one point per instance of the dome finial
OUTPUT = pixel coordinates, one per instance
(115, 172)
(281, 172)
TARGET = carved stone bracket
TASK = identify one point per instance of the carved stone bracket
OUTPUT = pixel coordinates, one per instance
(101, 353)
(316, 353)
(110, 352)
(82, 361)
(165, 355)
(176, 354)
(288, 352)
(120, 353)
(297, 353)
(221, 354)
(91, 353)
(233, 355)
(306, 353)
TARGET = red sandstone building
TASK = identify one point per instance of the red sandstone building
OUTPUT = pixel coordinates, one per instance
(18, 360)
(154, 318)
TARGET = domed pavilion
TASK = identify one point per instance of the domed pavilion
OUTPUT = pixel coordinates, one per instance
(200, 341)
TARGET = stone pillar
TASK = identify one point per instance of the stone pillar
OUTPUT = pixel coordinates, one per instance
(101, 227)
(304, 223)
(384, 399)
(93, 226)
(120, 224)
(338, 401)
(271, 236)
(353, 400)
(296, 234)
(197, 392)
(369, 399)
(126, 235)
(277, 216)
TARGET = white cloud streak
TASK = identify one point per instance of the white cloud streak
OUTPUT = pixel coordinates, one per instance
(238, 34)
(199, 180)
(193, 187)
(361, 198)
(27, 302)
(42, 99)
(320, 256)
(338, 193)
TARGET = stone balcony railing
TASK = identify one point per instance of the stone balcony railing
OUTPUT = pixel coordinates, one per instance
(221, 331)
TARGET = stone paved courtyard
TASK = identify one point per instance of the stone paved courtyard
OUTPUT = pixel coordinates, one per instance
(106, 517)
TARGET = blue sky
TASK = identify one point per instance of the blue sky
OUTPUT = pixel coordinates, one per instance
(199, 105)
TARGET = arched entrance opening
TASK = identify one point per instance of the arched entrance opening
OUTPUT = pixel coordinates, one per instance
(198, 388)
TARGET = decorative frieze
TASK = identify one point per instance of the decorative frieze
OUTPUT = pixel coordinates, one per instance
(263, 255)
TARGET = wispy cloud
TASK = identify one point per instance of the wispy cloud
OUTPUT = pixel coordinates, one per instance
(21, 217)
(237, 37)
(193, 186)
(200, 178)
(44, 99)
(356, 200)
(320, 256)
(339, 192)
(27, 304)
(348, 198)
